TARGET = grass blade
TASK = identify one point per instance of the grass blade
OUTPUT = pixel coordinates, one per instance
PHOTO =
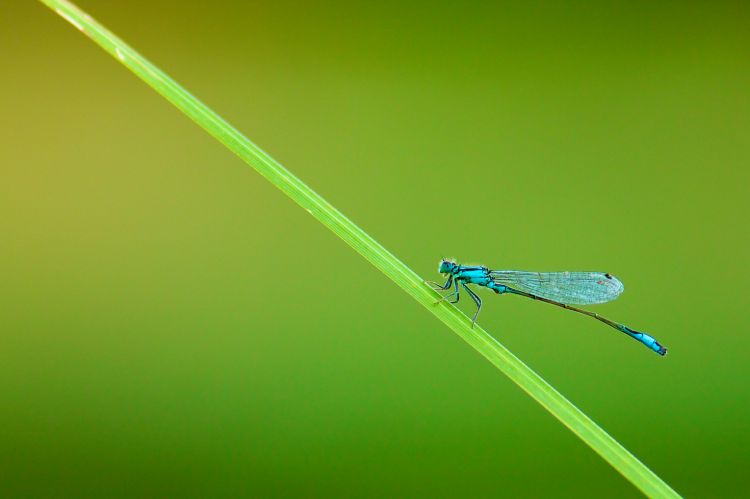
(560, 407)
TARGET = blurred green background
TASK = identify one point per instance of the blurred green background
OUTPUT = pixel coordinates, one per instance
(172, 325)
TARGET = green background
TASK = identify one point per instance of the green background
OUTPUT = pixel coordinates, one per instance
(173, 325)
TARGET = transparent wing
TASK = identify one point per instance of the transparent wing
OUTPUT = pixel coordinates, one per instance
(575, 288)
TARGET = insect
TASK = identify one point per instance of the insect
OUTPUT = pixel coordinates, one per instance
(558, 288)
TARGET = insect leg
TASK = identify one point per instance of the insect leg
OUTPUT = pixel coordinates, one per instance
(455, 283)
(477, 300)
(436, 285)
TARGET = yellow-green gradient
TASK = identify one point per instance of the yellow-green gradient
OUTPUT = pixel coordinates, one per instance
(174, 326)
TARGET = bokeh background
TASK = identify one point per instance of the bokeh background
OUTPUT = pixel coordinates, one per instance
(172, 325)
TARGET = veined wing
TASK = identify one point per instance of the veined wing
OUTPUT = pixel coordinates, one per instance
(575, 288)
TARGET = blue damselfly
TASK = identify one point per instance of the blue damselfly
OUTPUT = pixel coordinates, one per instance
(563, 289)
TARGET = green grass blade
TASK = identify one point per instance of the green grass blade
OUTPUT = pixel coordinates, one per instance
(560, 407)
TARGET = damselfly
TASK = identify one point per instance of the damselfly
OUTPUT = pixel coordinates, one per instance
(558, 288)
